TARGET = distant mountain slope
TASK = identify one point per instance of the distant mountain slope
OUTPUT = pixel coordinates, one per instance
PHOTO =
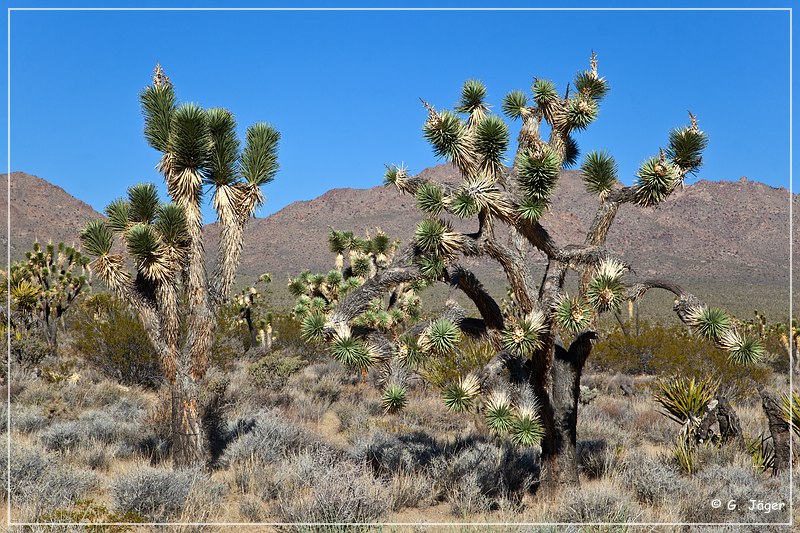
(727, 237)
(40, 210)
(727, 241)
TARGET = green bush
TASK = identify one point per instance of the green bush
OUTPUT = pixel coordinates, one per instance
(274, 369)
(672, 351)
(109, 336)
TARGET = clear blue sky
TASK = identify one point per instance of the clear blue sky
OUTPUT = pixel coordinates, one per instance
(343, 87)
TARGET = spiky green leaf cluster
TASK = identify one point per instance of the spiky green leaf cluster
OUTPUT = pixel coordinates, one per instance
(351, 352)
(498, 411)
(581, 112)
(656, 179)
(259, 160)
(709, 322)
(531, 209)
(606, 290)
(158, 105)
(449, 137)
(573, 314)
(544, 93)
(312, 326)
(599, 172)
(742, 349)
(473, 95)
(686, 147)
(430, 198)
(460, 396)
(394, 398)
(537, 173)
(514, 104)
(434, 237)
(685, 399)
(790, 403)
(524, 337)
(527, 428)
(491, 143)
(224, 156)
(571, 152)
(441, 336)
(590, 85)
(96, 238)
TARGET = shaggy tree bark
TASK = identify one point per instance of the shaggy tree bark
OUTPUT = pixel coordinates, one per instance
(778, 428)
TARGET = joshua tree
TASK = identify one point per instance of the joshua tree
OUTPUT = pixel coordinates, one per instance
(259, 329)
(44, 286)
(164, 240)
(544, 335)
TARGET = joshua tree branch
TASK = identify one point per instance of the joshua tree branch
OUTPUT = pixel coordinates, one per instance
(469, 284)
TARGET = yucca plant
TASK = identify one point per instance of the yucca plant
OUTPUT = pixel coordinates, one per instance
(44, 286)
(170, 285)
(539, 338)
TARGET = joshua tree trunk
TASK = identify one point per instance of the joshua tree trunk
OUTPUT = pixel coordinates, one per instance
(779, 429)
(188, 439)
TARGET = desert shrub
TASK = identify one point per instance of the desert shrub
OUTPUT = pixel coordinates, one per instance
(28, 349)
(335, 492)
(467, 497)
(600, 503)
(661, 350)
(410, 490)
(274, 369)
(156, 494)
(62, 436)
(27, 418)
(270, 439)
(251, 509)
(596, 458)
(328, 388)
(653, 480)
(40, 483)
(393, 454)
(111, 337)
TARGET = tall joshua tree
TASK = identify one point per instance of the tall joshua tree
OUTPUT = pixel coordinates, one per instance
(200, 148)
(542, 335)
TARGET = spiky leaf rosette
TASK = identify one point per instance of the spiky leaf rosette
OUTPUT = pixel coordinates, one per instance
(460, 396)
(431, 267)
(381, 243)
(171, 226)
(450, 139)
(190, 140)
(259, 160)
(145, 247)
(480, 193)
(544, 92)
(742, 349)
(143, 202)
(491, 142)
(599, 173)
(573, 314)
(434, 236)
(409, 353)
(158, 105)
(531, 209)
(515, 104)
(397, 176)
(96, 238)
(361, 266)
(394, 398)
(581, 112)
(441, 336)
(223, 169)
(473, 95)
(430, 198)
(118, 213)
(686, 147)
(351, 352)
(685, 399)
(537, 173)
(606, 290)
(524, 337)
(312, 326)
(588, 84)
(499, 412)
(709, 322)
(527, 428)
(656, 180)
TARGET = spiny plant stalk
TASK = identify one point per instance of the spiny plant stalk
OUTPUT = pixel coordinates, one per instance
(171, 285)
(541, 336)
(44, 286)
